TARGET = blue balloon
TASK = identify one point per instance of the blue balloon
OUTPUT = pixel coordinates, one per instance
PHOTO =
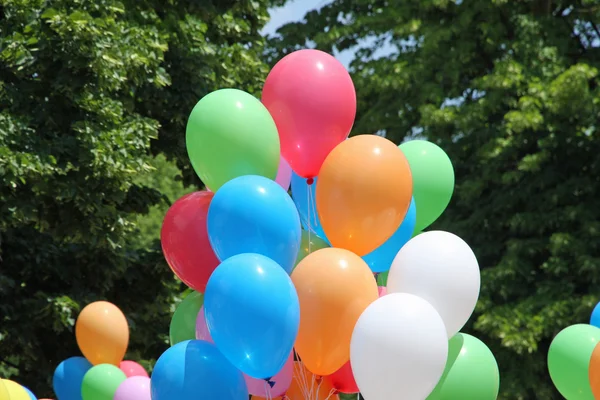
(304, 197)
(380, 259)
(253, 214)
(195, 369)
(30, 393)
(253, 314)
(68, 378)
(595, 318)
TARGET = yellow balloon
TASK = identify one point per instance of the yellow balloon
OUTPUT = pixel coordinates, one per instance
(3, 391)
(15, 391)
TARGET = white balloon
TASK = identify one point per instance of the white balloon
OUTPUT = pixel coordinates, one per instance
(398, 349)
(441, 268)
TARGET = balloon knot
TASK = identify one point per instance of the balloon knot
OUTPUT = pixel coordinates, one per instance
(270, 382)
(310, 181)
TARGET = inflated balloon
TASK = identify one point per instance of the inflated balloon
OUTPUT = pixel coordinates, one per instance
(399, 348)
(433, 180)
(277, 385)
(594, 372)
(102, 333)
(363, 193)
(309, 244)
(334, 287)
(184, 240)
(380, 259)
(569, 359)
(252, 313)
(253, 214)
(595, 317)
(30, 394)
(3, 391)
(469, 360)
(307, 385)
(284, 174)
(313, 102)
(342, 380)
(229, 134)
(68, 378)
(264, 398)
(183, 323)
(202, 332)
(304, 198)
(134, 388)
(382, 278)
(382, 290)
(15, 391)
(131, 368)
(195, 369)
(441, 268)
(101, 382)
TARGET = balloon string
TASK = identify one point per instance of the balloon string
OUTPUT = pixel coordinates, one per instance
(301, 378)
(268, 391)
(310, 213)
(331, 393)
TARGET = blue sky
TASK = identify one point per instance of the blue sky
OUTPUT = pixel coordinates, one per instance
(294, 10)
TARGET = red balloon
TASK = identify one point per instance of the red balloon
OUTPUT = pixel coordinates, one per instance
(343, 379)
(185, 242)
(311, 97)
(131, 368)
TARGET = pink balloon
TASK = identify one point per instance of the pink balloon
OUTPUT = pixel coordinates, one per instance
(131, 368)
(284, 174)
(134, 388)
(382, 291)
(280, 382)
(311, 97)
(202, 332)
(256, 387)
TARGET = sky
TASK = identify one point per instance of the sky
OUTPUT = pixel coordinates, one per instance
(294, 10)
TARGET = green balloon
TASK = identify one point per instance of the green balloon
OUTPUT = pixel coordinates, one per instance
(433, 180)
(183, 323)
(101, 382)
(569, 359)
(229, 134)
(311, 245)
(382, 278)
(471, 371)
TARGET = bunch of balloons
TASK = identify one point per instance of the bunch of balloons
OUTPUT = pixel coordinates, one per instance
(574, 360)
(285, 300)
(102, 334)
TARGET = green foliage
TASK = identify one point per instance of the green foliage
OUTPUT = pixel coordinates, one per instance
(511, 90)
(89, 90)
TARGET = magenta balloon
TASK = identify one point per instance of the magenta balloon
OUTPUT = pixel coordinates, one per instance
(382, 291)
(202, 332)
(134, 388)
(281, 382)
(312, 100)
(131, 368)
(284, 174)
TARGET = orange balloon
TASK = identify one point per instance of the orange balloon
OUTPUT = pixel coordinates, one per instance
(334, 287)
(262, 398)
(307, 386)
(102, 333)
(363, 193)
(594, 372)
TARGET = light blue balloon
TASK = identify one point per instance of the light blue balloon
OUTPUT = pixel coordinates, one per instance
(195, 369)
(253, 214)
(304, 197)
(253, 314)
(68, 378)
(30, 393)
(595, 318)
(380, 259)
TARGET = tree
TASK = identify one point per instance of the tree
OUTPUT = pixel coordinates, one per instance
(89, 90)
(511, 91)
